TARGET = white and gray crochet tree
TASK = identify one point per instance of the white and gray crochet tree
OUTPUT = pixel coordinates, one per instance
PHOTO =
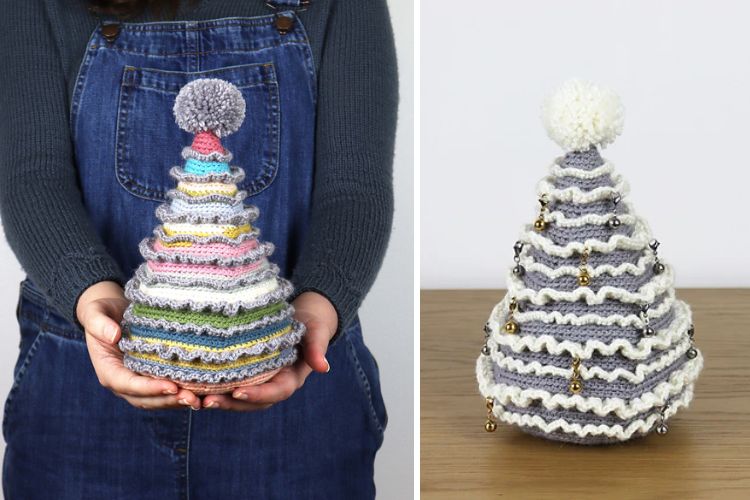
(590, 344)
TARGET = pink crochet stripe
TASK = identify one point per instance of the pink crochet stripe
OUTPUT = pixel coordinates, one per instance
(212, 249)
(205, 389)
(207, 142)
(171, 267)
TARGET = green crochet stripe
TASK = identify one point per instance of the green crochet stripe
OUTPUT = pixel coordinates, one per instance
(206, 318)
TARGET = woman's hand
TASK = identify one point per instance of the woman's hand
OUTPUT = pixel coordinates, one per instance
(321, 321)
(99, 310)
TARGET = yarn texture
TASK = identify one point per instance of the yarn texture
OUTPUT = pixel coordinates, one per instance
(209, 105)
(581, 114)
(208, 310)
(590, 345)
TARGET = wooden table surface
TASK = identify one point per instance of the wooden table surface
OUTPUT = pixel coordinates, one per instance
(706, 453)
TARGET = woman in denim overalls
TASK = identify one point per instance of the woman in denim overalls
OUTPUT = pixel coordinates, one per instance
(69, 437)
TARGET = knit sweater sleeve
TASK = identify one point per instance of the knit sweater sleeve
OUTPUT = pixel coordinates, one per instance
(352, 204)
(40, 203)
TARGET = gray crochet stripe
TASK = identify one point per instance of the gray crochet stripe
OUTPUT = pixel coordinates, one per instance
(284, 290)
(573, 210)
(596, 259)
(236, 199)
(584, 160)
(563, 235)
(162, 324)
(578, 417)
(229, 355)
(189, 153)
(605, 333)
(286, 358)
(608, 307)
(608, 363)
(201, 240)
(573, 416)
(196, 280)
(583, 184)
(573, 438)
(234, 176)
(591, 388)
(537, 281)
(263, 250)
(247, 216)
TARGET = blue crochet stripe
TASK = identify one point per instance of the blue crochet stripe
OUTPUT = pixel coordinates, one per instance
(198, 167)
(209, 340)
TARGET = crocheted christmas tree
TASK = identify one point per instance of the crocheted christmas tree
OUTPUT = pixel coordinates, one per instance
(208, 310)
(590, 344)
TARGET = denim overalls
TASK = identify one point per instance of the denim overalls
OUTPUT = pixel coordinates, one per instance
(75, 438)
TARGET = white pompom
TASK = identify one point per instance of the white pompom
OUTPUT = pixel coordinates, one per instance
(581, 114)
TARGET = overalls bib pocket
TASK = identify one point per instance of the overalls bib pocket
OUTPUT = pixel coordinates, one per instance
(145, 126)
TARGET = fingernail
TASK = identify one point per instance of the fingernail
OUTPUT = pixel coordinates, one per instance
(169, 391)
(328, 369)
(240, 395)
(183, 402)
(212, 404)
(111, 332)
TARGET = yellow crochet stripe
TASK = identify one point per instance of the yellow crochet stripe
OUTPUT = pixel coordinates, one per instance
(207, 188)
(177, 244)
(200, 365)
(193, 347)
(228, 230)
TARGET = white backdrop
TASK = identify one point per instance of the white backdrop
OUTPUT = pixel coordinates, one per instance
(387, 314)
(681, 70)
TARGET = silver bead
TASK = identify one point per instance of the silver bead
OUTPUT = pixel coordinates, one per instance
(616, 198)
(518, 247)
(645, 308)
(614, 222)
(692, 353)
(654, 244)
(648, 332)
(519, 270)
(485, 350)
(659, 268)
(662, 429)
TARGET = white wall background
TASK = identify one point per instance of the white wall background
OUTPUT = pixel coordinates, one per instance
(387, 314)
(681, 70)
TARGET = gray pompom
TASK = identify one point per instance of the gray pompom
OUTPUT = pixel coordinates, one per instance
(209, 104)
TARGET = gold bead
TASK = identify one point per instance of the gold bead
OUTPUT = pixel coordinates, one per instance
(584, 279)
(540, 224)
(511, 327)
(575, 386)
(490, 426)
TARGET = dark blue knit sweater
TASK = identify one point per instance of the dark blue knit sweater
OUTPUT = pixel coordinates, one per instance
(43, 42)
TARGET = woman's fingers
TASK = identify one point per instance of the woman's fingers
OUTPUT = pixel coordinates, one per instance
(183, 399)
(123, 381)
(187, 398)
(315, 345)
(278, 389)
(96, 319)
(113, 375)
(226, 402)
